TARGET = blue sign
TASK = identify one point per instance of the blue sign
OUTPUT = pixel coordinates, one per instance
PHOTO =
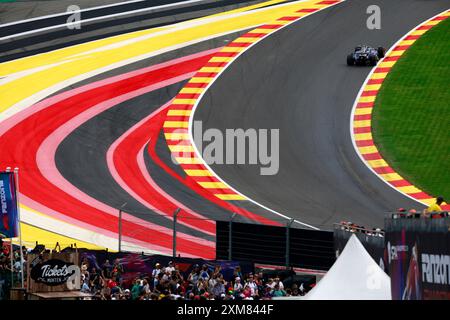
(9, 218)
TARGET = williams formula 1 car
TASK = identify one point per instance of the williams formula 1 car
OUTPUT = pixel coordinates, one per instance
(365, 56)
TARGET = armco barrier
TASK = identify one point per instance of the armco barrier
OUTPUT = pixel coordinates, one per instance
(418, 258)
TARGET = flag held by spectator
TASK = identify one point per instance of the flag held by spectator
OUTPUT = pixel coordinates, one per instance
(9, 221)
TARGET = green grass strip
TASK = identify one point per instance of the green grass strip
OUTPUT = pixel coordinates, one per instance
(411, 117)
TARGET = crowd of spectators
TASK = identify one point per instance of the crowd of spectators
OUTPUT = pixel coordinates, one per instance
(6, 281)
(168, 283)
(353, 227)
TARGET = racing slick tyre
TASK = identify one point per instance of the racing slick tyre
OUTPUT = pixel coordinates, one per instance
(350, 60)
(381, 52)
(373, 60)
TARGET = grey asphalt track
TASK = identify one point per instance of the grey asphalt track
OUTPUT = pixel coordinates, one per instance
(297, 81)
(48, 40)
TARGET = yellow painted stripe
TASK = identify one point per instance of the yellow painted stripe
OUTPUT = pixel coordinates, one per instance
(386, 64)
(183, 148)
(406, 43)
(363, 111)
(418, 32)
(192, 90)
(379, 75)
(201, 80)
(396, 53)
(184, 101)
(409, 189)
(363, 136)
(213, 185)
(361, 123)
(198, 173)
(176, 136)
(187, 160)
(367, 99)
(174, 112)
(377, 163)
(247, 40)
(368, 150)
(221, 59)
(230, 197)
(391, 176)
(176, 124)
(372, 87)
(211, 69)
(432, 23)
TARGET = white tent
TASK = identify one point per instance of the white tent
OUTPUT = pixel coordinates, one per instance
(354, 276)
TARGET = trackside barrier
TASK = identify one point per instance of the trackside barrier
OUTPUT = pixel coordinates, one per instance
(275, 245)
(418, 258)
(373, 241)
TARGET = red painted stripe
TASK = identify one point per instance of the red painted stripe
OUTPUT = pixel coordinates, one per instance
(193, 167)
(328, 2)
(372, 156)
(404, 47)
(307, 10)
(253, 35)
(288, 18)
(270, 26)
(394, 58)
(175, 130)
(182, 106)
(226, 54)
(187, 96)
(216, 64)
(440, 18)
(382, 70)
(412, 37)
(369, 93)
(362, 130)
(196, 85)
(360, 117)
(206, 74)
(384, 170)
(420, 195)
(220, 191)
(364, 143)
(239, 44)
(361, 105)
(177, 118)
(375, 81)
(400, 183)
(206, 179)
(425, 27)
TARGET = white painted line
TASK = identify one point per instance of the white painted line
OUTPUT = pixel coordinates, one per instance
(70, 24)
(191, 119)
(356, 102)
(91, 9)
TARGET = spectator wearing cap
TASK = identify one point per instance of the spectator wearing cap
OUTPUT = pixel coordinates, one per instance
(238, 287)
(155, 272)
(170, 267)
